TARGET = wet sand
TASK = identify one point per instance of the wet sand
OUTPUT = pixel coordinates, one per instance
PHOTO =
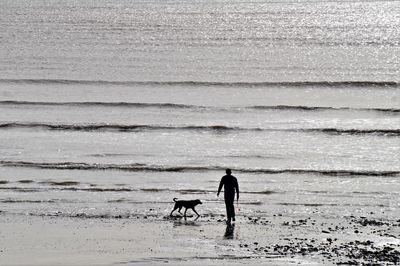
(158, 239)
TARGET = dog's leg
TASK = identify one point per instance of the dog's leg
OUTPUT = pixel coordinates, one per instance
(180, 208)
(175, 207)
(185, 213)
(196, 212)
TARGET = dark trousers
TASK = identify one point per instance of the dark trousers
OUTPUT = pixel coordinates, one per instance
(230, 209)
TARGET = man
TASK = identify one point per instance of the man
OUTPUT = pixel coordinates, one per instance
(230, 184)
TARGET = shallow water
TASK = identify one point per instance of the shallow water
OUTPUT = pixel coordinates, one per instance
(114, 108)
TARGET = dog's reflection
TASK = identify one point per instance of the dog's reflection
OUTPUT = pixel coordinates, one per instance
(182, 221)
(229, 231)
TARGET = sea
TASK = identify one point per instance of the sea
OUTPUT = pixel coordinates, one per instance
(111, 108)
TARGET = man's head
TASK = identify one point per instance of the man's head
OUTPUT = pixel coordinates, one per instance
(228, 171)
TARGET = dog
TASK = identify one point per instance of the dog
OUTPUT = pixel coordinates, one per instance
(187, 204)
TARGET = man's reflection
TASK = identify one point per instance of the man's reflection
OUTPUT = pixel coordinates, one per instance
(230, 229)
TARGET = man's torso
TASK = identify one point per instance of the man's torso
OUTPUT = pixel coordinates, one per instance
(230, 184)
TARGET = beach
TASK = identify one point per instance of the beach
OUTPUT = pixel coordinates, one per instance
(110, 109)
(268, 240)
(113, 225)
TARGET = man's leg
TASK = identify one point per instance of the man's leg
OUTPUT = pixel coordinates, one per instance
(228, 211)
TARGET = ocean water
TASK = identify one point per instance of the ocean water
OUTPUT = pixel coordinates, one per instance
(112, 108)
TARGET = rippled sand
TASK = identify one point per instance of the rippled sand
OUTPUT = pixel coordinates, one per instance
(156, 239)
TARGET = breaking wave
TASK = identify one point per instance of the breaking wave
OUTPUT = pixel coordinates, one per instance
(323, 108)
(103, 104)
(338, 131)
(120, 127)
(196, 107)
(206, 83)
(212, 128)
(138, 167)
(32, 201)
(123, 189)
(60, 183)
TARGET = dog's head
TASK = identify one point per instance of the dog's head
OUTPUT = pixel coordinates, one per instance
(198, 201)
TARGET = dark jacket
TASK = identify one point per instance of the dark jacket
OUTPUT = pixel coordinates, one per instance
(230, 184)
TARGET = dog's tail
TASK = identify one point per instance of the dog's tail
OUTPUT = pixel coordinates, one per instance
(175, 199)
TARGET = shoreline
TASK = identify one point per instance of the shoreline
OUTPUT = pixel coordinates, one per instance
(258, 240)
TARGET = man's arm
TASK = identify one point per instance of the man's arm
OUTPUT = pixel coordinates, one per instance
(237, 190)
(221, 183)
